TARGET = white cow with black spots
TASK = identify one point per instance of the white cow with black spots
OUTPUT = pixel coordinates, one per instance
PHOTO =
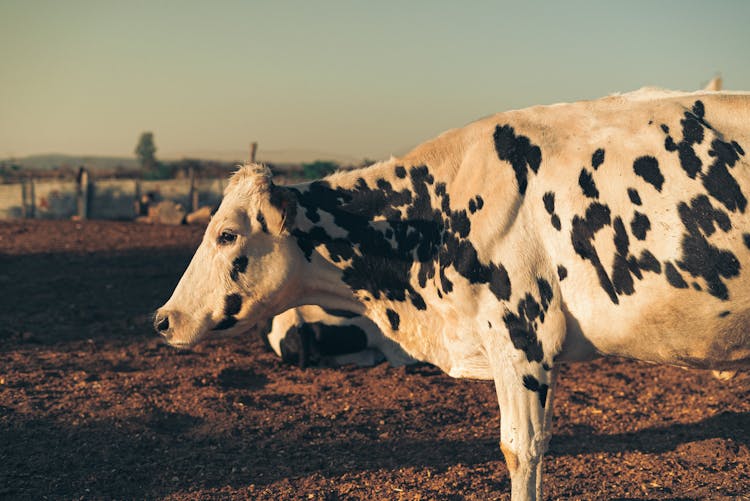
(497, 251)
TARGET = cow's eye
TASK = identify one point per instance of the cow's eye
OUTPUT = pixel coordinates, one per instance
(226, 238)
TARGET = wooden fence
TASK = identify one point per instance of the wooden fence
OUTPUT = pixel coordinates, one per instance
(88, 198)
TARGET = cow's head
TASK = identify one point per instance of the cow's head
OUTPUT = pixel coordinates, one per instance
(245, 268)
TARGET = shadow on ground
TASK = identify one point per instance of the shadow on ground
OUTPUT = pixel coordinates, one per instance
(165, 452)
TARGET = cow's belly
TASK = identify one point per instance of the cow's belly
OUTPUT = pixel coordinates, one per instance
(664, 325)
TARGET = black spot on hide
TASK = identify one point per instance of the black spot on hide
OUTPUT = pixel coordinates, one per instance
(545, 293)
(625, 266)
(549, 202)
(634, 196)
(701, 215)
(699, 109)
(597, 158)
(533, 384)
(284, 200)
(622, 279)
(692, 134)
(647, 167)
(232, 304)
(340, 313)
(239, 265)
(640, 225)
(522, 324)
(586, 182)
(648, 262)
(700, 258)
(262, 220)
(225, 323)
(519, 152)
(332, 340)
(393, 318)
(549, 205)
(718, 181)
(673, 276)
(562, 272)
(582, 235)
(476, 204)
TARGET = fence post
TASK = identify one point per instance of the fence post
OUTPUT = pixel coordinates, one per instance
(83, 192)
(193, 191)
(137, 201)
(253, 151)
(27, 197)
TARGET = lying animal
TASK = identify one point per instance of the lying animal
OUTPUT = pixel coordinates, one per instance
(310, 335)
(499, 250)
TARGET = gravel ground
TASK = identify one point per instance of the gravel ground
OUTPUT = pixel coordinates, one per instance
(93, 406)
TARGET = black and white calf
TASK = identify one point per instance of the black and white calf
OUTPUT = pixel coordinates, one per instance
(309, 335)
(496, 251)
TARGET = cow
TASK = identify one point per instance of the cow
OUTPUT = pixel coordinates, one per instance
(310, 335)
(497, 251)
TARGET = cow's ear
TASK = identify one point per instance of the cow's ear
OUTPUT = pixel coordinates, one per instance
(285, 202)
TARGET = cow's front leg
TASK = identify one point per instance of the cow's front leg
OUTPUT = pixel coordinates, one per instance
(525, 398)
(521, 355)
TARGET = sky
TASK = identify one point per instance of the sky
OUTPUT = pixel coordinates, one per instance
(355, 78)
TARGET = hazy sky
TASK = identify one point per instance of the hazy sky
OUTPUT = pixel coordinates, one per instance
(365, 79)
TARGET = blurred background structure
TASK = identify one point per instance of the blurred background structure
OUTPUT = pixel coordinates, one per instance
(180, 92)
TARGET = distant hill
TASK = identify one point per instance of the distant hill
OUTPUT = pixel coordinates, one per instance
(287, 156)
(291, 156)
(53, 160)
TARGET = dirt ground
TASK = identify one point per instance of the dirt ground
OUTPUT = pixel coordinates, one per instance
(93, 406)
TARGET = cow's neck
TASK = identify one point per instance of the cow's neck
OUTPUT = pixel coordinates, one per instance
(363, 232)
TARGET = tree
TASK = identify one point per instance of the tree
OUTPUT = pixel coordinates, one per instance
(146, 152)
(318, 169)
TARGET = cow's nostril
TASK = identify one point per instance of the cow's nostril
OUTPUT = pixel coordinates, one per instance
(161, 323)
